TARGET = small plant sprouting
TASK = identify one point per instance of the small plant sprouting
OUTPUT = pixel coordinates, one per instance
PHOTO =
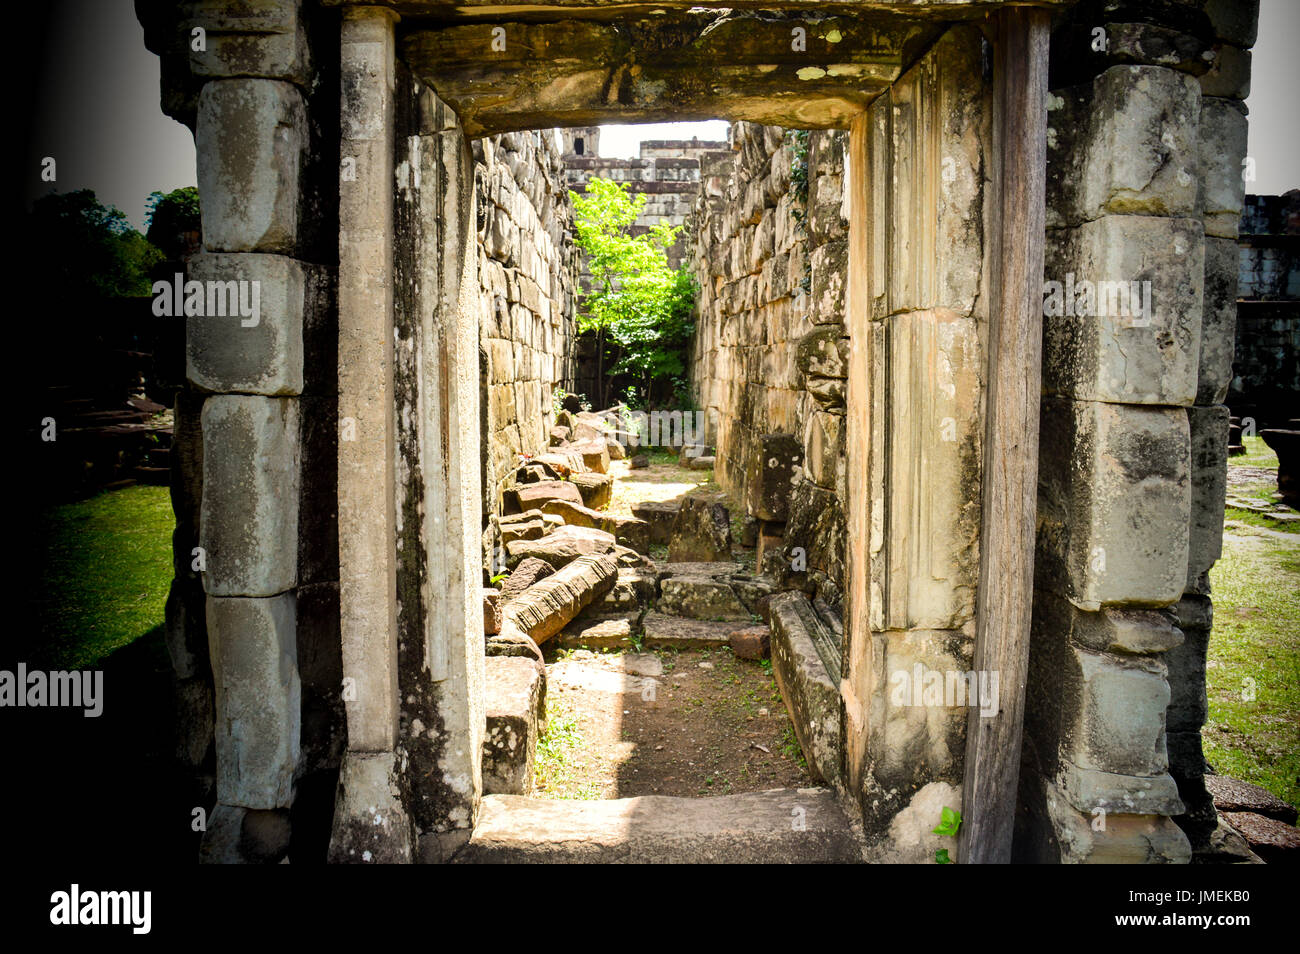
(949, 824)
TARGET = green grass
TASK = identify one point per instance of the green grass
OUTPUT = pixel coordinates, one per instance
(554, 769)
(1255, 644)
(101, 576)
(1258, 454)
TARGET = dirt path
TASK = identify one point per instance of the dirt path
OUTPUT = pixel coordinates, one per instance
(691, 723)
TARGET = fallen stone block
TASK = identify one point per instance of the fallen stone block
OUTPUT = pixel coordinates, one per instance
(701, 532)
(544, 608)
(511, 641)
(527, 573)
(594, 489)
(1274, 841)
(752, 642)
(594, 454)
(1234, 795)
(533, 528)
(673, 632)
(514, 703)
(491, 610)
(610, 633)
(699, 597)
(564, 463)
(701, 463)
(659, 514)
(562, 546)
(533, 496)
(639, 461)
(616, 449)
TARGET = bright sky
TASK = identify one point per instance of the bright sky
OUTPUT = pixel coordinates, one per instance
(624, 142)
(109, 134)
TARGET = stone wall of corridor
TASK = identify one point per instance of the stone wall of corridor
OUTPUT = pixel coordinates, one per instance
(527, 261)
(770, 356)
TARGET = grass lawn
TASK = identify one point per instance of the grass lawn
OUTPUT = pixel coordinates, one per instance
(100, 578)
(1255, 648)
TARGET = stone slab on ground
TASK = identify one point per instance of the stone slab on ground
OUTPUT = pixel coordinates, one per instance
(811, 696)
(1274, 841)
(1234, 795)
(753, 827)
(514, 702)
(614, 632)
(700, 597)
(669, 632)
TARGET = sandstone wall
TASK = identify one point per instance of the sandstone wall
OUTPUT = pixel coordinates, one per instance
(527, 259)
(770, 346)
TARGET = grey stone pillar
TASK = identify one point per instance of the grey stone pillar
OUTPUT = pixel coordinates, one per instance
(1133, 446)
(370, 822)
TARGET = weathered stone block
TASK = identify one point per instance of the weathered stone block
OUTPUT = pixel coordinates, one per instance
(253, 135)
(777, 458)
(544, 608)
(1229, 75)
(514, 701)
(1122, 310)
(811, 695)
(1208, 427)
(1114, 713)
(253, 647)
(1218, 320)
(829, 265)
(226, 349)
(1223, 147)
(262, 38)
(561, 547)
(701, 532)
(1125, 143)
(1114, 501)
(1126, 839)
(249, 522)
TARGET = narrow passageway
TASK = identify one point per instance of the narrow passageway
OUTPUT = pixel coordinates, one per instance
(636, 713)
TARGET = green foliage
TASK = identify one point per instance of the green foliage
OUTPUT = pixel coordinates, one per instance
(799, 172)
(170, 216)
(950, 822)
(81, 249)
(639, 307)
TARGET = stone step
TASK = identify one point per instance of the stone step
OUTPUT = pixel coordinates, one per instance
(514, 703)
(781, 826)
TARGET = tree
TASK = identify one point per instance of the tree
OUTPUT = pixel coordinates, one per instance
(80, 248)
(172, 221)
(637, 303)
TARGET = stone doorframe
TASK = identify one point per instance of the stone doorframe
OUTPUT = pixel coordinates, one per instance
(377, 786)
